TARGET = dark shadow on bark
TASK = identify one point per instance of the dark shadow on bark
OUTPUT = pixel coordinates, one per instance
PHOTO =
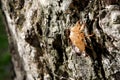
(50, 72)
(99, 48)
(116, 76)
(78, 5)
(32, 38)
(57, 45)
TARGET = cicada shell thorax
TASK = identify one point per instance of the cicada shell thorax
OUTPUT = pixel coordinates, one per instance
(77, 36)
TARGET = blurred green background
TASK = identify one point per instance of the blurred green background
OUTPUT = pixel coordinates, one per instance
(5, 61)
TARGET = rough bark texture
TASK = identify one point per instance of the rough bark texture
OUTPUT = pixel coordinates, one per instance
(39, 43)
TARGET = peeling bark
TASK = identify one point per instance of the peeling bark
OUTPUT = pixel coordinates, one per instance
(38, 33)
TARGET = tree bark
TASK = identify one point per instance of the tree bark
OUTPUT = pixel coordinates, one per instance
(38, 33)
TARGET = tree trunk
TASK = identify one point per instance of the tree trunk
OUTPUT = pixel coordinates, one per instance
(38, 33)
